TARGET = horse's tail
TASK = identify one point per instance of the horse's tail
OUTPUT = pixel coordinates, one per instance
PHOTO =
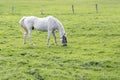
(21, 22)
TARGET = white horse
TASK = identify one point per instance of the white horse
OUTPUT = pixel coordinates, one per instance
(49, 24)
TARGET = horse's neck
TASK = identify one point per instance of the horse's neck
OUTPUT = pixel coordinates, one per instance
(61, 30)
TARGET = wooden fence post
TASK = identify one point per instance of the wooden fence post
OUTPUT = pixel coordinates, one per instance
(96, 8)
(41, 11)
(12, 9)
(73, 8)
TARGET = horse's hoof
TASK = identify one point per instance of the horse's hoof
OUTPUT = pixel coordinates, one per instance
(33, 44)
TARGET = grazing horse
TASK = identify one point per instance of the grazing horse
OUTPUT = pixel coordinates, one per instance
(49, 24)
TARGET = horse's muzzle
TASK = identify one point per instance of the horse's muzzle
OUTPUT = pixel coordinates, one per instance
(65, 44)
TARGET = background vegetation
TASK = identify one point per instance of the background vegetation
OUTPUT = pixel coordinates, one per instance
(93, 51)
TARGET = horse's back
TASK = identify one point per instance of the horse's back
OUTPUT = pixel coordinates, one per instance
(42, 24)
(25, 20)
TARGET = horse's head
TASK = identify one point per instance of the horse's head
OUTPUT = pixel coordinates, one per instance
(64, 40)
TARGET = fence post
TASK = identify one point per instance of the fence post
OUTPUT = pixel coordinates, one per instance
(41, 11)
(73, 8)
(12, 9)
(96, 8)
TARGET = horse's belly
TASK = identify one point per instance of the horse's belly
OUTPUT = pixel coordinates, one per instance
(42, 28)
(41, 25)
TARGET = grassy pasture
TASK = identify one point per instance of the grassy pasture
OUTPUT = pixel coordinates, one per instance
(93, 51)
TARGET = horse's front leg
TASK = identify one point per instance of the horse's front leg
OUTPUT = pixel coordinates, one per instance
(48, 40)
(55, 38)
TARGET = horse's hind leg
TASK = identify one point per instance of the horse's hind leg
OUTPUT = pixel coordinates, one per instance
(29, 33)
(31, 42)
(25, 35)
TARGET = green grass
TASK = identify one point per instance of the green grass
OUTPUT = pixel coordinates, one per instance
(93, 51)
